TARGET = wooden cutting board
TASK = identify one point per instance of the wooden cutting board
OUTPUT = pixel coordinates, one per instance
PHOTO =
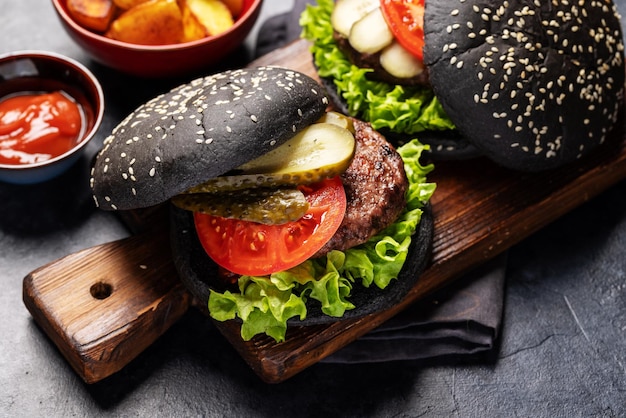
(104, 305)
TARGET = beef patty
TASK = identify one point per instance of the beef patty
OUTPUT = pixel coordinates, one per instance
(375, 184)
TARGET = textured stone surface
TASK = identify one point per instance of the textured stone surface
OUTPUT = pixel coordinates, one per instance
(561, 353)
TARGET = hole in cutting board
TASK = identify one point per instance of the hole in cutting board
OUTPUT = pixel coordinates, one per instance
(101, 290)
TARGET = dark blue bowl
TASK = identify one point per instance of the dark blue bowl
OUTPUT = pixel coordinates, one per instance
(41, 71)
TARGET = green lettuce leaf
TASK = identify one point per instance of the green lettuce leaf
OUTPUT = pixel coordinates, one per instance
(400, 109)
(264, 304)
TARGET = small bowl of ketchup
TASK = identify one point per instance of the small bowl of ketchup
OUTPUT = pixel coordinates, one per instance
(50, 108)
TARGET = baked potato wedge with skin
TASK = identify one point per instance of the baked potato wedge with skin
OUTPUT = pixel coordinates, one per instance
(192, 27)
(235, 7)
(213, 14)
(94, 15)
(128, 4)
(155, 22)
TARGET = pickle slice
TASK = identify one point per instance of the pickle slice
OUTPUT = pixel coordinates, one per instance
(319, 146)
(320, 151)
(370, 34)
(262, 205)
(338, 119)
(399, 62)
(347, 12)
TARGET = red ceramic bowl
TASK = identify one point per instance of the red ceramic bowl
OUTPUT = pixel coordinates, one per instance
(160, 60)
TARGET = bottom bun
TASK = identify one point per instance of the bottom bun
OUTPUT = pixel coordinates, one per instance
(444, 145)
(200, 274)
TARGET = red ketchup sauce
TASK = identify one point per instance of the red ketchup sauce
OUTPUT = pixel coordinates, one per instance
(38, 126)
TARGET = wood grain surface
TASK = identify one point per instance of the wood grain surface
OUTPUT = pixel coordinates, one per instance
(104, 305)
(480, 210)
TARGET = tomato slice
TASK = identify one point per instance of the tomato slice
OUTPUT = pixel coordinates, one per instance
(250, 248)
(406, 21)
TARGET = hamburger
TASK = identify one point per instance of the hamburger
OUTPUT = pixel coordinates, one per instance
(280, 210)
(531, 85)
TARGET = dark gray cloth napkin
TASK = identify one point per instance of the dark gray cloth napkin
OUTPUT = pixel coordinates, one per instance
(461, 320)
(281, 29)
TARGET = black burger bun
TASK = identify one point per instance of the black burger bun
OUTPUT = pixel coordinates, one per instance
(533, 85)
(199, 273)
(200, 130)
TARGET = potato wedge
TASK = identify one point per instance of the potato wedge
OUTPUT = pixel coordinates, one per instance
(235, 7)
(128, 4)
(193, 29)
(213, 14)
(155, 22)
(94, 15)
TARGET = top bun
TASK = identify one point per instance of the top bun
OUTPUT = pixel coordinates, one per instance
(532, 84)
(201, 130)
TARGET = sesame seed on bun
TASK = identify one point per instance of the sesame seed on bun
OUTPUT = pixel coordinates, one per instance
(201, 130)
(533, 84)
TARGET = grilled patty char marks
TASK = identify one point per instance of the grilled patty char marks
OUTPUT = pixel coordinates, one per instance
(375, 184)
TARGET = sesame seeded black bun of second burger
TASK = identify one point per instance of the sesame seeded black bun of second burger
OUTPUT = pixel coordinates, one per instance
(533, 84)
(213, 125)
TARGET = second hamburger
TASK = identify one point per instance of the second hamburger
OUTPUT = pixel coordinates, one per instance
(531, 85)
